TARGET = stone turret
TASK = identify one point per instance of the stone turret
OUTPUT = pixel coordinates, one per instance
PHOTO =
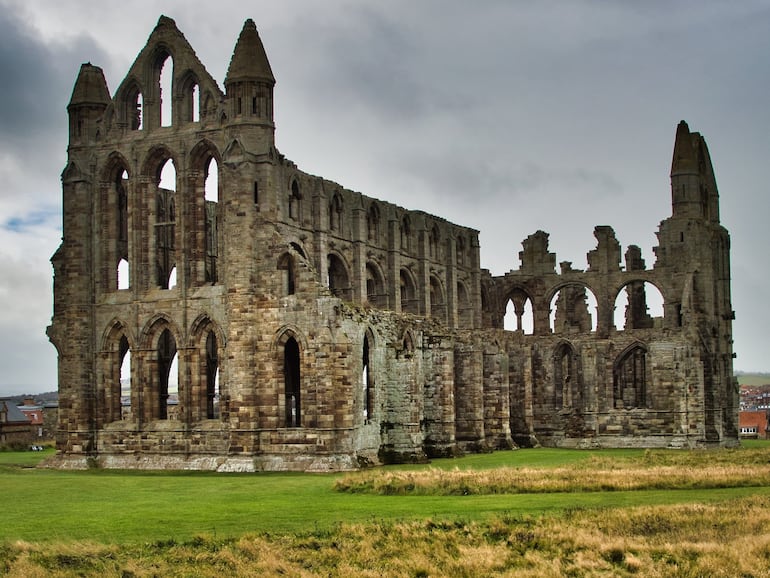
(693, 186)
(250, 81)
(89, 100)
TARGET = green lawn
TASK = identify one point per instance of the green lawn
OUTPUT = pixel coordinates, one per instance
(134, 507)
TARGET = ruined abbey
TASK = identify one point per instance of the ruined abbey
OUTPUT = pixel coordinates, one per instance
(246, 315)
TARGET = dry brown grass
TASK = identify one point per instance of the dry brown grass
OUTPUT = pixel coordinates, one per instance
(654, 471)
(725, 539)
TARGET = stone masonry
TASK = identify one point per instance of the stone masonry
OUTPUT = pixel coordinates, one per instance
(251, 316)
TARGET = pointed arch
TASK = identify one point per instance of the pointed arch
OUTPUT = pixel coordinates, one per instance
(287, 267)
(290, 346)
(204, 181)
(410, 302)
(376, 294)
(438, 309)
(113, 388)
(368, 376)
(460, 251)
(638, 304)
(208, 392)
(338, 279)
(465, 308)
(434, 243)
(519, 312)
(114, 245)
(188, 97)
(161, 166)
(630, 377)
(566, 376)
(573, 309)
(295, 201)
(336, 214)
(406, 234)
(373, 223)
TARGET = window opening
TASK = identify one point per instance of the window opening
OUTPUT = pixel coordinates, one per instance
(196, 102)
(638, 305)
(519, 313)
(136, 119)
(366, 381)
(409, 301)
(406, 234)
(573, 310)
(286, 266)
(563, 376)
(437, 300)
(256, 193)
(125, 379)
(165, 225)
(294, 200)
(338, 281)
(168, 373)
(211, 184)
(123, 274)
(291, 371)
(212, 377)
(165, 86)
(630, 379)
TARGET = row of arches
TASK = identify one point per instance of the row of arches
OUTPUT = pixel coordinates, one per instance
(150, 219)
(376, 230)
(161, 96)
(573, 308)
(630, 378)
(159, 376)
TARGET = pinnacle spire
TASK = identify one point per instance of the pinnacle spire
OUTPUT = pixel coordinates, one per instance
(90, 86)
(249, 61)
(685, 159)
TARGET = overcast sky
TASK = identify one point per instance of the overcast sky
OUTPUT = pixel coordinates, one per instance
(507, 116)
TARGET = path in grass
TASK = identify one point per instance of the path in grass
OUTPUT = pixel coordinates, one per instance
(125, 507)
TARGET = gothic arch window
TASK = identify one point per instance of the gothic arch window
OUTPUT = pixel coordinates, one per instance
(460, 251)
(166, 357)
(292, 383)
(119, 249)
(373, 224)
(189, 98)
(638, 305)
(565, 377)
(165, 80)
(630, 377)
(519, 312)
(406, 234)
(335, 214)
(212, 377)
(434, 240)
(124, 274)
(165, 224)
(124, 380)
(574, 309)
(367, 381)
(464, 306)
(295, 198)
(133, 105)
(211, 196)
(437, 300)
(288, 274)
(375, 286)
(338, 280)
(409, 300)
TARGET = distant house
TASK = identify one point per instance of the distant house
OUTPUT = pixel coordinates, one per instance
(35, 414)
(15, 427)
(753, 424)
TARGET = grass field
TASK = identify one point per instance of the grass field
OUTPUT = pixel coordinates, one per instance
(115, 516)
